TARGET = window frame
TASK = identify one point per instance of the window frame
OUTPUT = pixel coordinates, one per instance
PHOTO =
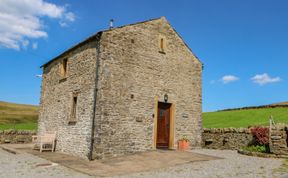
(73, 111)
(64, 68)
(162, 44)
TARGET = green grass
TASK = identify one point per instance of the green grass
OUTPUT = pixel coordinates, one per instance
(244, 118)
(18, 116)
(256, 148)
(21, 126)
(24, 117)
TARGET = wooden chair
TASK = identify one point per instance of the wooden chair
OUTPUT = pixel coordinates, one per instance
(44, 142)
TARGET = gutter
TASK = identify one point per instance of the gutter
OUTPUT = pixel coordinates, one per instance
(95, 95)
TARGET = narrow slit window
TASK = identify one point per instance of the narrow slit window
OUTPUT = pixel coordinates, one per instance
(74, 109)
(64, 67)
(162, 44)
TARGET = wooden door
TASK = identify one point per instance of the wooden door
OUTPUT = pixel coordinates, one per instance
(163, 125)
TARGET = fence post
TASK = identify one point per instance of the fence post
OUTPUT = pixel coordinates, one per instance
(270, 130)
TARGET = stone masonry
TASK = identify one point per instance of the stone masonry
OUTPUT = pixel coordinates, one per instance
(118, 75)
(279, 140)
(16, 136)
(226, 138)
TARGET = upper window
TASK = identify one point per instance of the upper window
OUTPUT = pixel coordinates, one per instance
(162, 44)
(64, 67)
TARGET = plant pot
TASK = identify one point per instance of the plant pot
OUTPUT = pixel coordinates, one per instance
(183, 145)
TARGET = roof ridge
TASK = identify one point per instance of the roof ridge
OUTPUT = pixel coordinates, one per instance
(136, 23)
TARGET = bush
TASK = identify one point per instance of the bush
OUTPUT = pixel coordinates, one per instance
(256, 148)
(260, 135)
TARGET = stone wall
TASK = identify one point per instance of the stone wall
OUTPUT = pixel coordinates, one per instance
(134, 74)
(226, 138)
(279, 140)
(15, 136)
(235, 138)
(57, 98)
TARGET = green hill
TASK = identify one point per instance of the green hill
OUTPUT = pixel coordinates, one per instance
(244, 117)
(18, 116)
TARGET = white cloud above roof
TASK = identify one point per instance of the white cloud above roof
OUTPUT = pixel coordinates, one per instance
(21, 21)
(263, 79)
(229, 78)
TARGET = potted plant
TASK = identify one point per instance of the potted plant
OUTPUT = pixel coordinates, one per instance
(183, 143)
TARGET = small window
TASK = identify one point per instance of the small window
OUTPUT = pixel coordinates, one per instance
(64, 68)
(74, 109)
(162, 45)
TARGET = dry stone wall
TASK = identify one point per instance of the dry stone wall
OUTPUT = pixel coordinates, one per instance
(279, 140)
(15, 136)
(226, 138)
(236, 138)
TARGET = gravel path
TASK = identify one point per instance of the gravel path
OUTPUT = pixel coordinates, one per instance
(25, 166)
(233, 165)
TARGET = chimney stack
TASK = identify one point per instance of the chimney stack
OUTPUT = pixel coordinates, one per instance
(111, 24)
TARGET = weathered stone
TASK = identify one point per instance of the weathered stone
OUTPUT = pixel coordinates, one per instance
(139, 119)
(209, 140)
(278, 140)
(226, 138)
(7, 141)
(121, 81)
(16, 136)
(276, 137)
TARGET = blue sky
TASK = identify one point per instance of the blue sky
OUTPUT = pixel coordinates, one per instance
(243, 44)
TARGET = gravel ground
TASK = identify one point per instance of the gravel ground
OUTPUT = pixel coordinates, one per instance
(25, 166)
(232, 165)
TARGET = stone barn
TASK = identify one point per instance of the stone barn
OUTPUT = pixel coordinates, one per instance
(123, 90)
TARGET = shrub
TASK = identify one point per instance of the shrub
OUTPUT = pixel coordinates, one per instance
(261, 135)
(184, 138)
(256, 148)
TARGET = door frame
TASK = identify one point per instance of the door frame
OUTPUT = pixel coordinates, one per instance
(172, 124)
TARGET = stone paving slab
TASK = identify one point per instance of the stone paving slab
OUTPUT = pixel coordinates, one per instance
(122, 165)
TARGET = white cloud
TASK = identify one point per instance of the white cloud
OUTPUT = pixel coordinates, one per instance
(22, 20)
(263, 79)
(25, 43)
(70, 16)
(229, 78)
(34, 45)
(212, 82)
(63, 24)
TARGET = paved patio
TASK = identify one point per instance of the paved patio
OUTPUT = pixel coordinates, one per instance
(123, 165)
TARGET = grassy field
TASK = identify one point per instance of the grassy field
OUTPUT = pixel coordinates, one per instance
(18, 116)
(24, 117)
(244, 118)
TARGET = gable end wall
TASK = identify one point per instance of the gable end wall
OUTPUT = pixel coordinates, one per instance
(132, 75)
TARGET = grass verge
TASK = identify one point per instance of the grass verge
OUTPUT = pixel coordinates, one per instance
(244, 118)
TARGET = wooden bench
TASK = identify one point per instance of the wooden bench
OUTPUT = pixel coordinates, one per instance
(44, 142)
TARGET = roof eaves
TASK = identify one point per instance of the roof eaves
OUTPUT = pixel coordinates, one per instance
(184, 42)
(72, 48)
